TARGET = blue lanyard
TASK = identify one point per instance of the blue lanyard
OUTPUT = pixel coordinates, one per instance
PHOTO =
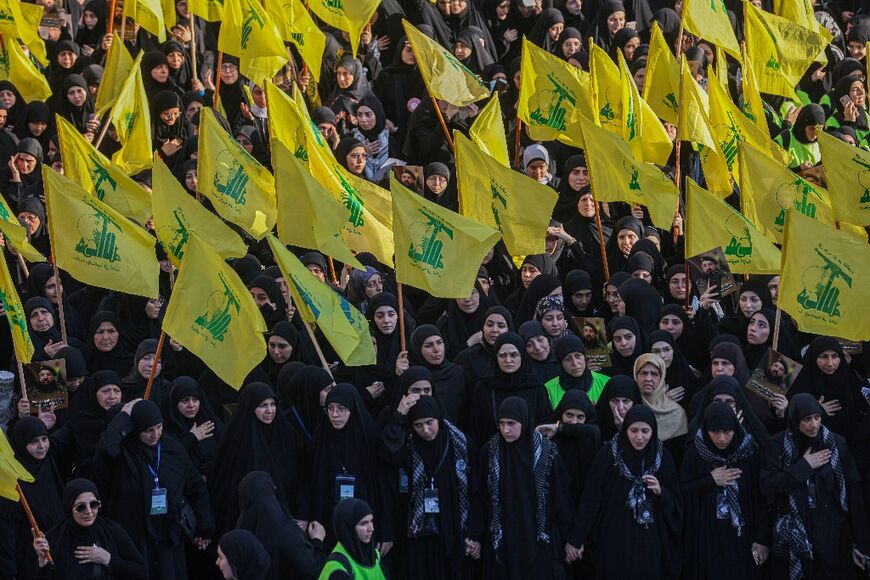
(154, 471)
(302, 424)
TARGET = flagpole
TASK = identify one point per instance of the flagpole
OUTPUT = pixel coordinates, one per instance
(332, 270)
(686, 258)
(192, 45)
(23, 265)
(33, 525)
(517, 144)
(59, 287)
(678, 143)
(317, 348)
(103, 130)
(443, 124)
(217, 81)
(110, 25)
(153, 374)
(776, 325)
(21, 379)
(401, 297)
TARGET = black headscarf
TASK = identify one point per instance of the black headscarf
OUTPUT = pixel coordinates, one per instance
(809, 116)
(540, 31)
(624, 365)
(344, 100)
(77, 115)
(619, 386)
(457, 326)
(303, 393)
(94, 36)
(34, 112)
(568, 344)
(599, 30)
(246, 555)
(345, 518)
(642, 302)
(43, 495)
(204, 452)
(160, 131)
(183, 75)
(288, 332)
(480, 58)
(615, 258)
(575, 281)
(42, 338)
(119, 359)
(388, 345)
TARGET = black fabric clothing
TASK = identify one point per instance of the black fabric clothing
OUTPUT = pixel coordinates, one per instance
(619, 386)
(624, 365)
(246, 555)
(203, 453)
(119, 359)
(299, 397)
(449, 380)
(456, 326)
(578, 444)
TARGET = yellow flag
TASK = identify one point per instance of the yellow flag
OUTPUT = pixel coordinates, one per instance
(21, 20)
(213, 315)
(248, 32)
(553, 94)
(492, 194)
(148, 14)
(132, 120)
(308, 216)
(616, 175)
(11, 471)
(662, 86)
(438, 250)
(753, 108)
(21, 341)
(801, 12)
(16, 68)
(645, 134)
(445, 77)
(768, 189)
(296, 25)
(96, 244)
(708, 19)
(119, 63)
(711, 223)
(92, 170)
(782, 49)
(848, 171)
(344, 326)
(730, 125)
(721, 67)
(487, 132)
(825, 281)
(348, 15)
(211, 10)
(607, 89)
(241, 190)
(290, 124)
(177, 216)
(16, 235)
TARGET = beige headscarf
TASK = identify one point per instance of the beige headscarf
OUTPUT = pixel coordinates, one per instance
(670, 416)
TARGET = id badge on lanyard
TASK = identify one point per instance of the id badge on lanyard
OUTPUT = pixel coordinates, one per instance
(345, 486)
(159, 502)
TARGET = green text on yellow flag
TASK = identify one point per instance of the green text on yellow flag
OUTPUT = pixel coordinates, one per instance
(848, 171)
(21, 20)
(711, 223)
(296, 25)
(607, 90)
(616, 175)
(119, 63)
(348, 15)
(15, 316)
(487, 132)
(495, 195)
(96, 244)
(344, 326)
(248, 32)
(178, 216)
(212, 314)
(308, 216)
(645, 134)
(662, 86)
(241, 190)
(132, 120)
(437, 250)
(825, 281)
(16, 68)
(99, 176)
(16, 235)
(553, 94)
(445, 77)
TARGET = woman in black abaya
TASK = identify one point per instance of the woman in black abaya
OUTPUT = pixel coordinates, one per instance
(464, 317)
(619, 395)
(449, 380)
(577, 437)
(191, 420)
(627, 340)
(479, 360)
(524, 493)
(103, 348)
(304, 392)
(42, 282)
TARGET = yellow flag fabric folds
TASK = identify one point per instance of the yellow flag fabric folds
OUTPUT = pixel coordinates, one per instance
(553, 94)
(645, 134)
(662, 86)
(848, 171)
(11, 471)
(16, 235)
(495, 195)
(149, 14)
(21, 20)
(344, 326)
(753, 107)
(241, 190)
(616, 175)
(445, 77)
(348, 15)
(119, 63)
(708, 19)
(21, 341)
(825, 281)
(96, 244)
(291, 125)
(211, 10)
(308, 216)
(93, 171)
(487, 132)
(711, 223)
(768, 189)
(16, 68)
(438, 250)
(607, 90)
(248, 32)
(177, 216)
(212, 314)
(132, 120)
(296, 25)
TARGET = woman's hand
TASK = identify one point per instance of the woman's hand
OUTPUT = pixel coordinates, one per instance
(677, 394)
(402, 363)
(40, 546)
(171, 147)
(92, 555)
(779, 404)
(474, 338)
(472, 548)
(203, 430)
(722, 476)
(52, 347)
(760, 553)
(850, 112)
(376, 389)
(406, 403)
(652, 484)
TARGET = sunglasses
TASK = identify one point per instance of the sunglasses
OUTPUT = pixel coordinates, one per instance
(94, 505)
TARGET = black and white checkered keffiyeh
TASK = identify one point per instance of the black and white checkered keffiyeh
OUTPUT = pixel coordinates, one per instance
(637, 493)
(746, 448)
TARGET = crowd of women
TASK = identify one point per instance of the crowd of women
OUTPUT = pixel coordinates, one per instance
(493, 444)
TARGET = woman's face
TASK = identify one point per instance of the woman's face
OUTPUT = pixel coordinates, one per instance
(192, 109)
(630, 47)
(639, 435)
(365, 118)
(245, 142)
(356, 160)
(555, 31)
(574, 417)
(581, 299)
(648, 377)
(8, 98)
(432, 350)
(616, 22)
(146, 363)
(38, 448)
(528, 272)
(538, 348)
(41, 320)
(502, 10)
(365, 529)
(571, 46)
(160, 73)
(265, 411)
(89, 506)
(66, 59)
(721, 367)
(758, 330)
(624, 341)
(554, 322)
(750, 303)
(578, 179)
(338, 415)
(170, 116)
(828, 362)
(509, 358)
(343, 77)
(625, 240)
(469, 305)
(279, 349)
(37, 128)
(106, 336)
(229, 73)
(611, 296)
(619, 406)
(32, 220)
(77, 96)
(188, 407)
(573, 6)
(176, 60)
(408, 55)
(642, 274)
(673, 324)
(721, 438)
(665, 351)
(108, 395)
(461, 50)
(374, 286)
(152, 308)
(89, 19)
(493, 326)
(640, 78)
(426, 428)
(677, 286)
(858, 94)
(386, 319)
(437, 183)
(190, 180)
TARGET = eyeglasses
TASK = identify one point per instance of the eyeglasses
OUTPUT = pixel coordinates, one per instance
(356, 156)
(94, 505)
(508, 355)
